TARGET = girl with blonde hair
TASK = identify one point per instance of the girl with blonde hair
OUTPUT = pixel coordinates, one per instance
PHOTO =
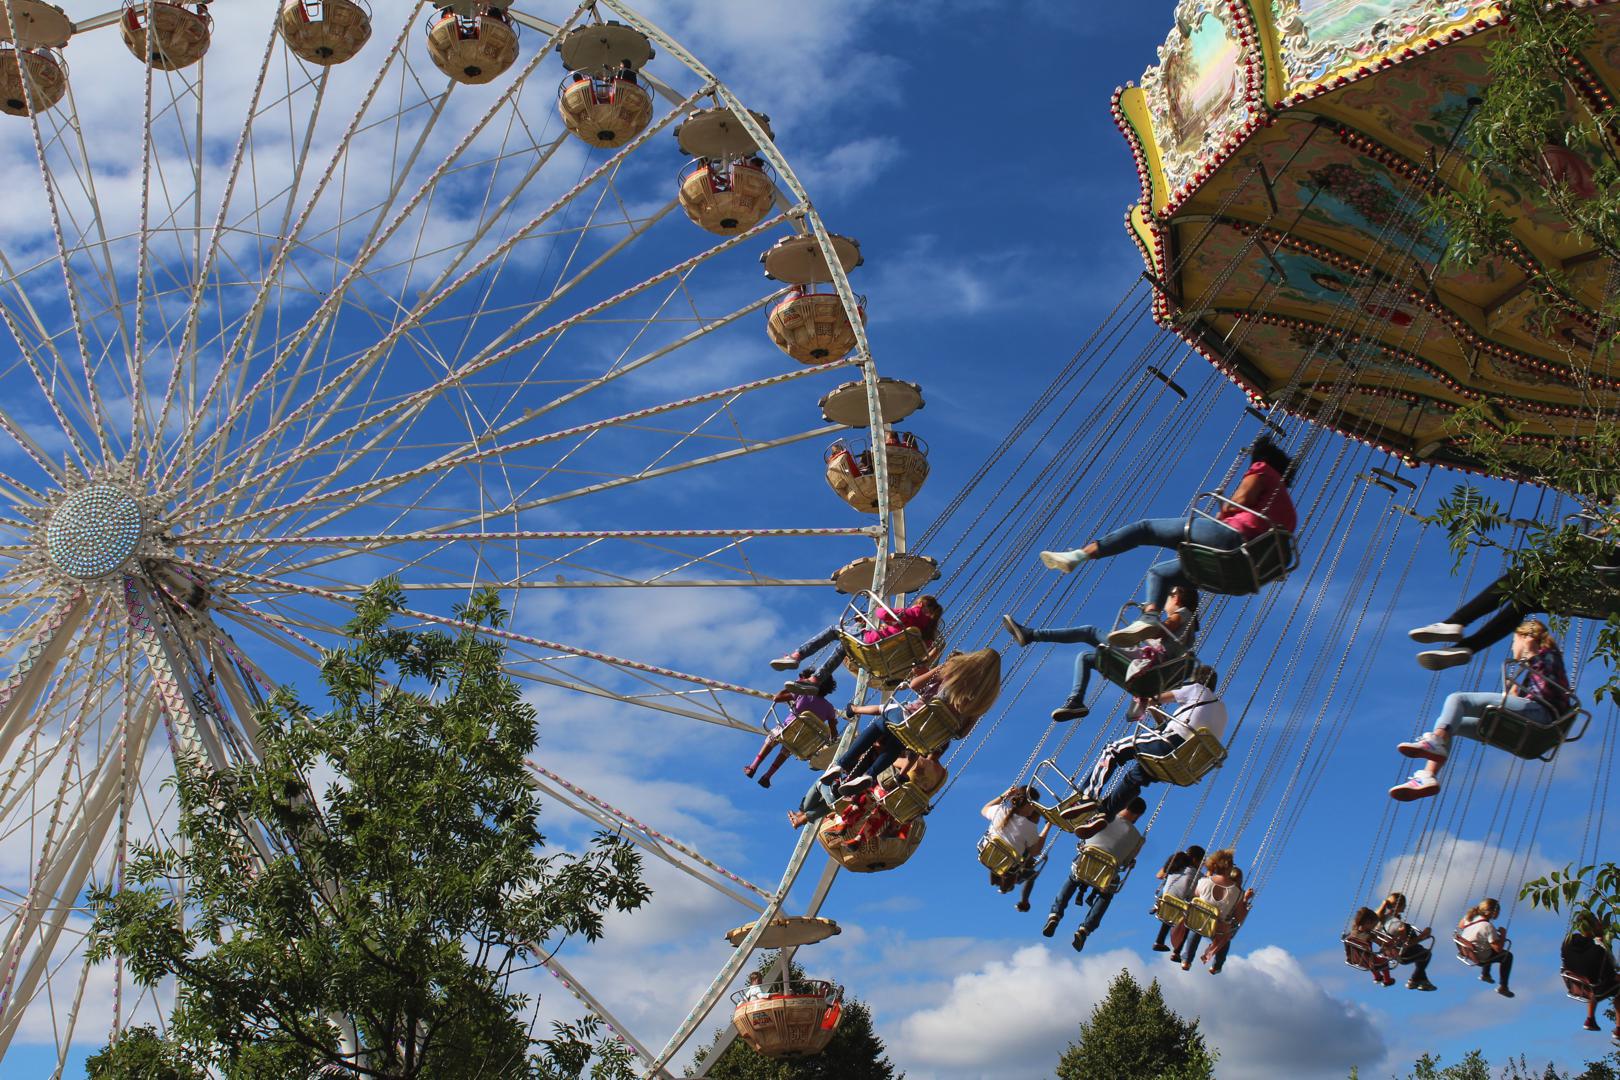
(1486, 942)
(967, 682)
(1537, 691)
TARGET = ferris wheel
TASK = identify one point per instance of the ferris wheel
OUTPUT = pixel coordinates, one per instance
(298, 298)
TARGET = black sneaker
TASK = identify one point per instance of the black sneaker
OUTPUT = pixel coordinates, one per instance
(1504, 991)
(1159, 946)
(1080, 939)
(1413, 984)
(803, 686)
(1071, 710)
(1485, 977)
(1022, 905)
(1051, 926)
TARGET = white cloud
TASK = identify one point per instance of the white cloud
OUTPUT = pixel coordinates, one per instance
(1451, 874)
(1013, 1017)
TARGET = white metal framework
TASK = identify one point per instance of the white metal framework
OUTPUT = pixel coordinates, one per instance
(273, 330)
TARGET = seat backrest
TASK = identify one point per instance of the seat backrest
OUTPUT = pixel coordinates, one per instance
(1096, 867)
(805, 735)
(1203, 917)
(998, 856)
(928, 729)
(1358, 954)
(1188, 763)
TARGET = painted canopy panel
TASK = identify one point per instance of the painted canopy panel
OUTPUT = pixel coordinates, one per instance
(1290, 151)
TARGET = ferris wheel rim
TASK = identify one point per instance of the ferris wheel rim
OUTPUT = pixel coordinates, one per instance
(103, 608)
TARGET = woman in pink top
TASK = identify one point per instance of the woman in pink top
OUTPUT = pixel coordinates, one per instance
(1263, 491)
(924, 615)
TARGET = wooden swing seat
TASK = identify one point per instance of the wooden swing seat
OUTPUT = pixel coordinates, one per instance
(1169, 909)
(1098, 868)
(805, 736)
(929, 729)
(1188, 763)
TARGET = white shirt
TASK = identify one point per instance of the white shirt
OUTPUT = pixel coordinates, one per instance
(1224, 897)
(1196, 707)
(1180, 884)
(1120, 839)
(1478, 934)
(1016, 829)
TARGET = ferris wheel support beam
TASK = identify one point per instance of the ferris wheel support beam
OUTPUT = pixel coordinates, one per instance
(63, 878)
(645, 837)
(587, 999)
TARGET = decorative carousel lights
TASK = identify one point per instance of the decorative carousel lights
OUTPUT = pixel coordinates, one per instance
(1288, 152)
(786, 1017)
(471, 42)
(603, 100)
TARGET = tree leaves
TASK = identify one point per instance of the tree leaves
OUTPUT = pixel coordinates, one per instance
(374, 925)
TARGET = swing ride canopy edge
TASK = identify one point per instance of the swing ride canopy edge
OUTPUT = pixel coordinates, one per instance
(1285, 150)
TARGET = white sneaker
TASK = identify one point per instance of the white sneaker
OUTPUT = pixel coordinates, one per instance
(1440, 659)
(1147, 626)
(1420, 786)
(1425, 746)
(1063, 561)
(1436, 632)
(1136, 667)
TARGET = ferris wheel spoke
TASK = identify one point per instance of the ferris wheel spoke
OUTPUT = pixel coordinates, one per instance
(348, 381)
(229, 369)
(357, 493)
(681, 856)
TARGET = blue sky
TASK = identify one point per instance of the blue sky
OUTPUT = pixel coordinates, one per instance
(971, 151)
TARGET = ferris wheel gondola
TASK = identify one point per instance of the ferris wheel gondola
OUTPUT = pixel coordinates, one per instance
(399, 336)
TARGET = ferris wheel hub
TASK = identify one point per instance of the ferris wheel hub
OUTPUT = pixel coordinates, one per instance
(95, 531)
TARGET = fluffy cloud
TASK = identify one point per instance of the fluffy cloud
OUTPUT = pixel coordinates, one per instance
(1013, 1017)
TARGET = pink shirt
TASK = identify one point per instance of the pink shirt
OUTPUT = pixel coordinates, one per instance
(1271, 499)
(915, 615)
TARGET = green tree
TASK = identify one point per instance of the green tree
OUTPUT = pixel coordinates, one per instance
(1133, 1035)
(855, 1053)
(373, 927)
(1531, 113)
(1473, 1066)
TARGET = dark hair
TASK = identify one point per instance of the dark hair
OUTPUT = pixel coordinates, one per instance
(1195, 853)
(929, 600)
(1265, 451)
(1188, 595)
(1206, 676)
(1178, 862)
(1137, 806)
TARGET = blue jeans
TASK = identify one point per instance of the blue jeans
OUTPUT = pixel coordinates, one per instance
(1123, 785)
(817, 802)
(1085, 661)
(1096, 903)
(1459, 716)
(1168, 533)
(824, 671)
(877, 741)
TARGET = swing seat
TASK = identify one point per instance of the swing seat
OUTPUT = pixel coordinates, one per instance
(1169, 909)
(1069, 812)
(1203, 918)
(998, 856)
(904, 799)
(1580, 988)
(1065, 807)
(1188, 763)
(1245, 569)
(928, 730)
(888, 661)
(1098, 868)
(1465, 948)
(1529, 739)
(1166, 675)
(1357, 954)
(805, 736)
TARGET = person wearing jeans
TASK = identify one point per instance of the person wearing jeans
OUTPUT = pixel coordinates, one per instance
(1538, 694)
(1262, 503)
(1123, 842)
